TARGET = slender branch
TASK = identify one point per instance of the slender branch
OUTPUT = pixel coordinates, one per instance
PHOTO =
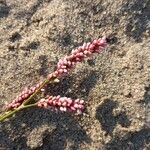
(28, 106)
(9, 114)
(63, 67)
(36, 92)
(24, 105)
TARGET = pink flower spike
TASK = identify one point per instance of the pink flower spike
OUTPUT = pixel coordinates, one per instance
(63, 67)
(78, 55)
(61, 103)
(26, 93)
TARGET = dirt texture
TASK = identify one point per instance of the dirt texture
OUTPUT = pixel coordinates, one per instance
(35, 34)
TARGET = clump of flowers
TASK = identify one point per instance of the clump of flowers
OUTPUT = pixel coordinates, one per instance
(64, 104)
(26, 93)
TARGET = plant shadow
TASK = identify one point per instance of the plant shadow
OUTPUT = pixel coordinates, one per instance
(75, 86)
(67, 128)
(145, 103)
(4, 9)
(136, 140)
(139, 18)
(14, 135)
(107, 119)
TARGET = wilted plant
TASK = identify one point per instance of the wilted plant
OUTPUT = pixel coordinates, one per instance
(64, 65)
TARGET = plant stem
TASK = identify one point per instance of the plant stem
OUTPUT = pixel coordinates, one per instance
(9, 114)
(38, 90)
(24, 104)
(43, 84)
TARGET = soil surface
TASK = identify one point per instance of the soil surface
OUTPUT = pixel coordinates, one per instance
(35, 34)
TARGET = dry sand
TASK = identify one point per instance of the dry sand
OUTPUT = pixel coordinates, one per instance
(35, 34)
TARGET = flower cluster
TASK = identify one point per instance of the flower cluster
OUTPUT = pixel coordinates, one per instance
(63, 67)
(78, 55)
(27, 92)
(62, 103)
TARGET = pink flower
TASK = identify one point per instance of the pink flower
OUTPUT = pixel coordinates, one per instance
(26, 93)
(63, 67)
(79, 54)
(62, 103)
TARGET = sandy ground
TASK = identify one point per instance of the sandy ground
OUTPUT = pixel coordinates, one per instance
(35, 34)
